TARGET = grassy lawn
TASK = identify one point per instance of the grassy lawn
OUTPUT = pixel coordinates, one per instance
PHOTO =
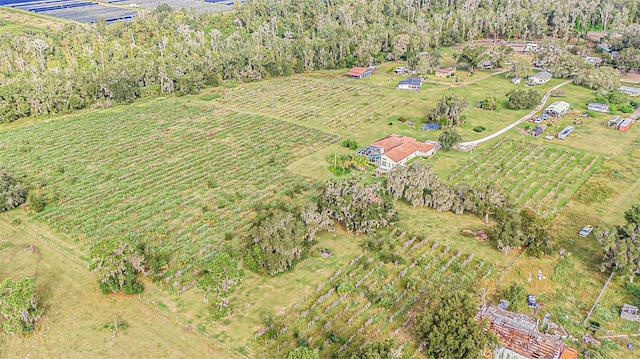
(75, 311)
(17, 21)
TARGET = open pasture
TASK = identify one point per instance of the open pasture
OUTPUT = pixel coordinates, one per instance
(531, 172)
(178, 177)
(373, 299)
(329, 105)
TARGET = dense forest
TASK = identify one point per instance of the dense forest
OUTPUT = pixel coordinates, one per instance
(77, 66)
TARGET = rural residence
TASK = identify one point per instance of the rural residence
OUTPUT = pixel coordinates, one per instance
(395, 150)
(519, 336)
(598, 107)
(629, 90)
(361, 72)
(411, 83)
(557, 108)
(565, 133)
(540, 78)
(445, 71)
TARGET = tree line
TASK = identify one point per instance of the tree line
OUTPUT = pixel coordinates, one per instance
(166, 51)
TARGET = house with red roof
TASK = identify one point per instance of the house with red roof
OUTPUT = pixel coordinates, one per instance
(396, 150)
(361, 72)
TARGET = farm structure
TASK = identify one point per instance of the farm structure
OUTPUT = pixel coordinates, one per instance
(396, 150)
(445, 71)
(557, 108)
(519, 336)
(598, 107)
(565, 133)
(516, 80)
(411, 83)
(531, 172)
(538, 130)
(630, 90)
(338, 109)
(540, 78)
(629, 312)
(352, 316)
(361, 72)
(620, 123)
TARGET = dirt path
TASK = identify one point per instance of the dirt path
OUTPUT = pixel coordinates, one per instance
(471, 144)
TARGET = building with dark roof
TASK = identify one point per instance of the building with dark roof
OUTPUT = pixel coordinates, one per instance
(411, 83)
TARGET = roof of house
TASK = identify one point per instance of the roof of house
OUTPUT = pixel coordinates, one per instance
(542, 76)
(558, 106)
(411, 81)
(598, 105)
(357, 71)
(519, 333)
(629, 89)
(398, 147)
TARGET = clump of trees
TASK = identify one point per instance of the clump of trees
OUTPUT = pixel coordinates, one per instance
(343, 164)
(603, 78)
(18, 306)
(490, 103)
(621, 245)
(221, 276)
(448, 319)
(471, 56)
(350, 144)
(12, 192)
(449, 138)
(448, 111)
(524, 227)
(118, 262)
(361, 208)
(521, 98)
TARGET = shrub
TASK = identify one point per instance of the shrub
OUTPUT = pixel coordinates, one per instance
(479, 128)
(627, 109)
(613, 109)
(591, 113)
(350, 144)
(210, 96)
(635, 103)
(37, 201)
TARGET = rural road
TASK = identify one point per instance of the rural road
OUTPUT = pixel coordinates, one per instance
(471, 144)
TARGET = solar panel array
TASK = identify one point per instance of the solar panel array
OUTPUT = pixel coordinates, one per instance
(112, 10)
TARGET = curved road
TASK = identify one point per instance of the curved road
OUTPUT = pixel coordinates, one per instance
(471, 144)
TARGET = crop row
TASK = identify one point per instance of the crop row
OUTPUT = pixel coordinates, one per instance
(371, 299)
(178, 177)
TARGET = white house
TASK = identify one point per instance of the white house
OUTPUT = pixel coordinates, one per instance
(395, 150)
(629, 90)
(540, 78)
(411, 83)
(598, 107)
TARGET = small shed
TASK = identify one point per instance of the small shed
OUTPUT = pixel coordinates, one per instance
(361, 72)
(538, 130)
(540, 78)
(630, 90)
(445, 71)
(615, 122)
(592, 60)
(557, 108)
(565, 133)
(598, 107)
(411, 83)
(625, 124)
(629, 312)
(516, 80)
